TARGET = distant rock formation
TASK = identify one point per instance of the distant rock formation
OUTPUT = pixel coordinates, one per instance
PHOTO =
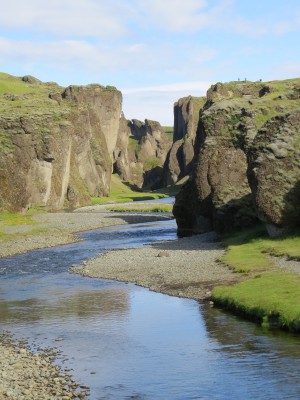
(140, 153)
(233, 131)
(179, 161)
(56, 145)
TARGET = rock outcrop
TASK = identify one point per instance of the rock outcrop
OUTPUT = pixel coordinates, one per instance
(140, 153)
(56, 145)
(274, 173)
(218, 195)
(179, 161)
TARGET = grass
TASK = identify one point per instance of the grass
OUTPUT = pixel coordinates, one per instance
(270, 297)
(248, 250)
(14, 86)
(8, 219)
(123, 193)
(142, 208)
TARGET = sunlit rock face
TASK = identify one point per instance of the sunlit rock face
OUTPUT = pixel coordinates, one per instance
(140, 153)
(179, 161)
(274, 173)
(230, 135)
(56, 144)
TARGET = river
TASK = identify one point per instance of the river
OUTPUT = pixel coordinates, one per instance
(126, 342)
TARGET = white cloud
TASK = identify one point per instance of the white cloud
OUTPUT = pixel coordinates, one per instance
(77, 18)
(55, 53)
(136, 60)
(156, 102)
(117, 19)
(191, 16)
(178, 16)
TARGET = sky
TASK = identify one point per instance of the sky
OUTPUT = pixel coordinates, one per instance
(154, 51)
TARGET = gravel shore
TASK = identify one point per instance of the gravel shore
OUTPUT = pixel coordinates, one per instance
(25, 375)
(53, 229)
(185, 267)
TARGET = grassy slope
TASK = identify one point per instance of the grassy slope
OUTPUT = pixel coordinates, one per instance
(268, 296)
(122, 193)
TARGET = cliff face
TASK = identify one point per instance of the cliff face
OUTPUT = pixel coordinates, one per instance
(179, 161)
(274, 173)
(140, 153)
(55, 144)
(231, 135)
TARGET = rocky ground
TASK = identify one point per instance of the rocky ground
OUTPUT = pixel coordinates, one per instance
(186, 267)
(25, 375)
(53, 229)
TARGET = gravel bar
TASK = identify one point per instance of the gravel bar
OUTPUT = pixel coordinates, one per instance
(53, 229)
(186, 267)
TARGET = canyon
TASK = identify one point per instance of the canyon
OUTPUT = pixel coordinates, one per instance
(59, 146)
(238, 148)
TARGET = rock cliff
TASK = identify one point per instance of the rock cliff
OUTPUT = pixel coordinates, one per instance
(140, 153)
(274, 173)
(179, 161)
(240, 128)
(56, 144)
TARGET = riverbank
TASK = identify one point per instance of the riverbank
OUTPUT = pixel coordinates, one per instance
(26, 375)
(186, 267)
(54, 229)
(270, 294)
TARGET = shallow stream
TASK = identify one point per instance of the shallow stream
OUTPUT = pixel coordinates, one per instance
(126, 342)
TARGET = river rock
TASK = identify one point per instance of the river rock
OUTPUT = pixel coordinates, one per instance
(28, 375)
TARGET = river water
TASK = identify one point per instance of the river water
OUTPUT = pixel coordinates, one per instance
(126, 342)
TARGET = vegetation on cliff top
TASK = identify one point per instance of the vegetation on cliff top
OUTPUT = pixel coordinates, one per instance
(266, 295)
(263, 100)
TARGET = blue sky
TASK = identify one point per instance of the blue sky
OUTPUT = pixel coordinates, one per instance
(154, 51)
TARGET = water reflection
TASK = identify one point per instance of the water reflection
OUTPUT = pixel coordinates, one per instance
(101, 303)
(266, 362)
(126, 342)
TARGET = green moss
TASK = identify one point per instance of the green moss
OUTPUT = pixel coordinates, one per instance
(6, 144)
(151, 163)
